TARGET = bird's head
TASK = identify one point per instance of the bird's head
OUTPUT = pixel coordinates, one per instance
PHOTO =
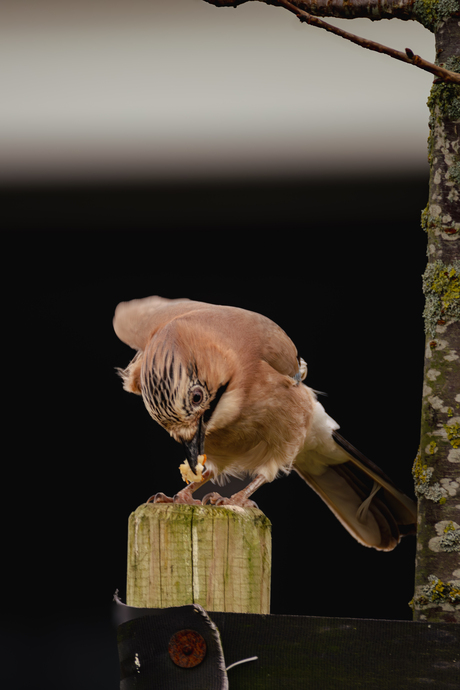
(181, 387)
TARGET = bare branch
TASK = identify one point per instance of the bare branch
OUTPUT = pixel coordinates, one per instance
(345, 9)
(352, 9)
(408, 56)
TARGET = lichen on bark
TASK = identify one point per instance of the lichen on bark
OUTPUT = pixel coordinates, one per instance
(441, 286)
(431, 13)
(437, 468)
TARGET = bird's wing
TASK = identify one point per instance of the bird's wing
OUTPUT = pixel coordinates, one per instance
(278, 350)
(360, 495)
(134, 321)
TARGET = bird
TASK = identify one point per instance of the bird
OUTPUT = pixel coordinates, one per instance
(228, 384)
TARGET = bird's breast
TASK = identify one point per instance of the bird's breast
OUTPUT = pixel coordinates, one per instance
(262, 434)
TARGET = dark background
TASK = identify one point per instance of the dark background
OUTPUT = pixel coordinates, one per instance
(337, 263)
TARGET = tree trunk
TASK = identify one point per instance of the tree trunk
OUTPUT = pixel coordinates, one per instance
(437, 466)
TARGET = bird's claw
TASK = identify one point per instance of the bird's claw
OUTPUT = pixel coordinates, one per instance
(243, 503)
(213, 498)
(216, 499)
(184, 497)
(160, 498)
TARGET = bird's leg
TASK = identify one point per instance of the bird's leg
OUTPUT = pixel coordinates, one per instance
(183, 496)
(239, 499)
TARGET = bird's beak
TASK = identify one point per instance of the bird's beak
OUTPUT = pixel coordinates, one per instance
(195, 447)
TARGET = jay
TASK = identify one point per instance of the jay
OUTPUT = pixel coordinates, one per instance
(227, 383)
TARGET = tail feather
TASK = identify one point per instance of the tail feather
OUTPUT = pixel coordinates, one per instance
(401, 505)
(361, 496)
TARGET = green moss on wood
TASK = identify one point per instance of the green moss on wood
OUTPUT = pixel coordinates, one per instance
(219, 557)
(438, 591)
(454, 173)
(444, 101)
(427, 220)
(453, 434)
(450, 541)
(431, 13)
(441, 286)
(423, 489)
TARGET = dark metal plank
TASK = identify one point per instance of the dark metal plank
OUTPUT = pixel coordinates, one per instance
(302, 652)
(339, 653)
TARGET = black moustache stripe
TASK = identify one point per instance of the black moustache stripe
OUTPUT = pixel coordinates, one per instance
(210, 411)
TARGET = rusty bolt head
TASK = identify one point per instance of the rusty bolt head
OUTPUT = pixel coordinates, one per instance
(187, 648)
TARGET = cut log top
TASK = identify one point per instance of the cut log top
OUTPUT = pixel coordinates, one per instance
(215, 556)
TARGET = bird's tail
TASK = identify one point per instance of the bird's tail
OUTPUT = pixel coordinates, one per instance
(360, 495)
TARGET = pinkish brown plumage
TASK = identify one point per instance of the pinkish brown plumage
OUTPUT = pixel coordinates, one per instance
(228, 382)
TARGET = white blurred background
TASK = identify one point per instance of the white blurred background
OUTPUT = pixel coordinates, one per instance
(179, 88)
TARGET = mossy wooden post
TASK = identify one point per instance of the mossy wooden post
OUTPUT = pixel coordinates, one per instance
(215, 556)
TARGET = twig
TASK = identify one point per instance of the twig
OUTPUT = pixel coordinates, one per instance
(408, 56)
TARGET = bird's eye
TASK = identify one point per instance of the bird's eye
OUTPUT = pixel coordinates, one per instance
(196, 396)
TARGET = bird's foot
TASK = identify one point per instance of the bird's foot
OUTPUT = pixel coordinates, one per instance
(183, 497)
(160, 498)
(238, 499)
(186, 497)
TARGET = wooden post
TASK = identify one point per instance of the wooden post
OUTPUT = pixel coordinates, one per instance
(215, 556)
